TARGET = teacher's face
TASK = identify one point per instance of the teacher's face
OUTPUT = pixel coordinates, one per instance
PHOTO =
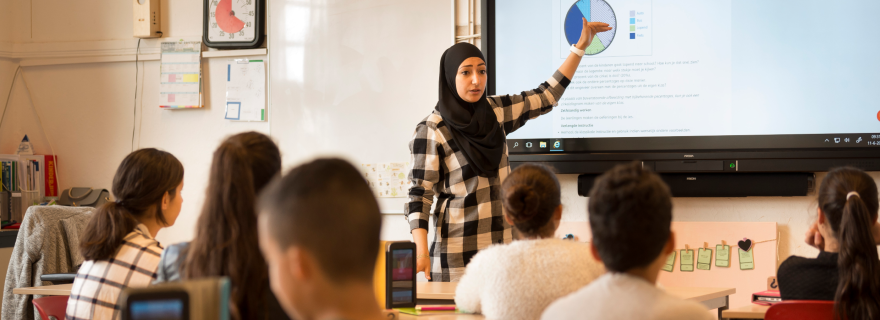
(470, 81)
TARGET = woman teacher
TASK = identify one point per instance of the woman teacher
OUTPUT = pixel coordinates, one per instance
(459, 156)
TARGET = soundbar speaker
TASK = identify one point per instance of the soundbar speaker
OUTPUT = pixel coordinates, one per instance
(726, 184)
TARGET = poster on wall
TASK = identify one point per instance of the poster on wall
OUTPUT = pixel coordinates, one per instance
(180, 75)
(388, 180)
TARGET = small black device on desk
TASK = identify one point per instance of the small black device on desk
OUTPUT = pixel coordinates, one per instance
(400, 275)
(168, 305)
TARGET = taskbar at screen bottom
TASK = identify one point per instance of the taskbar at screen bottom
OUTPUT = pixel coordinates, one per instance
(649, 144)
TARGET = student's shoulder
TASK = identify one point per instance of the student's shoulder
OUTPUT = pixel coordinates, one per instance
(674, 308)
(793, 266)
(572, 306)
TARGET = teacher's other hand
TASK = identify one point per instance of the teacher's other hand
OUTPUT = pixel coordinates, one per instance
(423, 263)
(589, 32)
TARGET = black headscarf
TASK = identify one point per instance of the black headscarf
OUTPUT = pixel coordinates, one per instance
(474, 126)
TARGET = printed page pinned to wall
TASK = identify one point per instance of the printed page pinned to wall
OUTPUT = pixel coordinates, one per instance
(245, 90)
(388, 180)
(180, 75)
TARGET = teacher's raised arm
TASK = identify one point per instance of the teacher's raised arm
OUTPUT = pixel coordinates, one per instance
(459, 157)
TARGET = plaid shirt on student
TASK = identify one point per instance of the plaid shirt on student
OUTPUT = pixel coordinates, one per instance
(468, 215)
(98, 284)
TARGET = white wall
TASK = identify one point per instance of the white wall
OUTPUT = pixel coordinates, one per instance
(87, 110)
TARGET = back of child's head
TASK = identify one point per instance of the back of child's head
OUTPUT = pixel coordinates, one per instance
(326, 208)
(530, 196)
(630, 212)
(139, 185)
(226, 242)
(848, 198)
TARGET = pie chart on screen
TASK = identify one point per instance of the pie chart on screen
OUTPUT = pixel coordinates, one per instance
(594, 11)
(226, 19)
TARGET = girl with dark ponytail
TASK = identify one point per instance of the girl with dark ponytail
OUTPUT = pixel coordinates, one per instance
(119, 243)
(847, 269)
(226, 242)
(520, 279)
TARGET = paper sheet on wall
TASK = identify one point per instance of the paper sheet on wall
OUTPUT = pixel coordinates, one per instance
(245, 90)
(388, 180)
(180, 75)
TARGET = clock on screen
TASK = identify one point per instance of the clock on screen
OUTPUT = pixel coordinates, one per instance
(234, 24)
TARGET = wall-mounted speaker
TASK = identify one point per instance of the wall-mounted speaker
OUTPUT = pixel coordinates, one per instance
(146, 18)
(726, 184)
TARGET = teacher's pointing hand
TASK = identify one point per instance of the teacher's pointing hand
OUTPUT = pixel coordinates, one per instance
(589, 32)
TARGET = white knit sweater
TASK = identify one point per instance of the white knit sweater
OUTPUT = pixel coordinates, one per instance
(520, 279)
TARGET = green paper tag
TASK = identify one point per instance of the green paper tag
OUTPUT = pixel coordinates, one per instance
(670, 262)
(746, 259)
(704, 258)
(722, 256)
(687, 260)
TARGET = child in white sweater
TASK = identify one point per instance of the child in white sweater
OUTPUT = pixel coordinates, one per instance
(519, 280)
(630, 212)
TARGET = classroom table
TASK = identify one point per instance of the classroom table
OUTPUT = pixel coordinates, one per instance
(712, 298)
(54, 290)
(444, 293)
(752, 311)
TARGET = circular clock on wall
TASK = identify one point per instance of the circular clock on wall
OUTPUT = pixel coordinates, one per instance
(234, 24)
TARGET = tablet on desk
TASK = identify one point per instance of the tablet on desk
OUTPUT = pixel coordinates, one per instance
(400, 277)
(169, 305)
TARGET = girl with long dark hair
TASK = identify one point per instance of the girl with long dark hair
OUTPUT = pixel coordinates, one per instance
(119, 243)
(225, 243)
(847, 269)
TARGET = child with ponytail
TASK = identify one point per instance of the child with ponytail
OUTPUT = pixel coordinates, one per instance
(520, 279)
(119, 243)
(847, 269)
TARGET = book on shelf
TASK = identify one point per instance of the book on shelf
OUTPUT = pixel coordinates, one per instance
(30, 179)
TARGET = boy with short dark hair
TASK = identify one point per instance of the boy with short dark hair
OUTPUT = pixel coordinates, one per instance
(319, 232)
(630, 212)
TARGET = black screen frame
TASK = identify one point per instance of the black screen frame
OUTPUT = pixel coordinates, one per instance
(756, 153)
(389, 280)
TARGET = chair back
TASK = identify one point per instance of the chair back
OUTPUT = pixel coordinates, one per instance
(801, 310)
(51, 307)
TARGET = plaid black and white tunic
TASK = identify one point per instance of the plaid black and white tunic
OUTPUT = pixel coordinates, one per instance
(98, 284)
(468, 214)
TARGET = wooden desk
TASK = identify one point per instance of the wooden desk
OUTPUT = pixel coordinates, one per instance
(752, 311)
(712, 298)
(436, 290)
(56, 290)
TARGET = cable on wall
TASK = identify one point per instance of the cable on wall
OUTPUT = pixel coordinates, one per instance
(137, 52)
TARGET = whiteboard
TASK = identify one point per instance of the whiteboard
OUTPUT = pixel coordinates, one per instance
(352, 78)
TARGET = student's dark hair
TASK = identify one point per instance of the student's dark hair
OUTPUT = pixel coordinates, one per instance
(226, 242)
(851, 219)
(326, 208)
(530, 196)
(140, 183)
(630, 212)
